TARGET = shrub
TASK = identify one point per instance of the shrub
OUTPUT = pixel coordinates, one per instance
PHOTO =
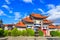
(58, 33)
(9, 32)
(24, 33)
(30, 32)
(40, 33)
(19, 33)
(53, 33)
(5, 32)
(14, 32)
(1, 32)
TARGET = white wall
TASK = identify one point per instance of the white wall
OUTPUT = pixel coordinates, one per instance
(52, 29)
(37, 21)
(21, 28)
(45, 26)
(29, 24)
(5, 28)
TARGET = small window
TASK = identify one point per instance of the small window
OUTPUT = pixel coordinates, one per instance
(29, 26)
(44, 27)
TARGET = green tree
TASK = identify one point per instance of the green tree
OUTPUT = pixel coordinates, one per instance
(14, 32)
(24, 33)
(58, 33)
(30, 32)
(53, 33)
(19, 33)
(1, 32)
(5, 32)
(40, 33)
(9, 32)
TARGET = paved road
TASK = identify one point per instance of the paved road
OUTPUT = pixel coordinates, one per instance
(53, 38)
(31, 38)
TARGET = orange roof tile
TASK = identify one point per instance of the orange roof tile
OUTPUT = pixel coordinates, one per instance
(5, 24)
(9, 24)
(46, 21)
(21, 24)
(28, 19)
(38, 15)
(58, 27)
(52, 26)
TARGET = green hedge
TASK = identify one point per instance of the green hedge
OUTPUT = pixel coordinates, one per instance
(5, 32)
(1, 32)
(15, 32)
(40, 33)
(30, 32)
(19, 33)
(55, 33)
(24, 33)
(9, 32)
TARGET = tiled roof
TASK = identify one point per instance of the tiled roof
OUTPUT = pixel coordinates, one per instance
(58, 27)
(46, 21)
(28, 19)
(52, 26)
(38, 15)
(5, 24)
(20, 24)
(9, 24)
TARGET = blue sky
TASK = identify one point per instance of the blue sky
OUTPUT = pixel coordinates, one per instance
(11, 11)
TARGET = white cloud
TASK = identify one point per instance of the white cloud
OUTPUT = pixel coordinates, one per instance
(41, 10)
(56, 23)
(27, 1)
(8, 8)
(7, 1)
(2, 13)
(17, 15)
(54, 14)
(51, 6)
(5, 6)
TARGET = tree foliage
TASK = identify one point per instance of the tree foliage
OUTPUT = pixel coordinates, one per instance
(19, 32)
(30, 32)
(54, 33)
(40, 33)
(14, 32)
(5, 32)
(1, 32)
(24, 33)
